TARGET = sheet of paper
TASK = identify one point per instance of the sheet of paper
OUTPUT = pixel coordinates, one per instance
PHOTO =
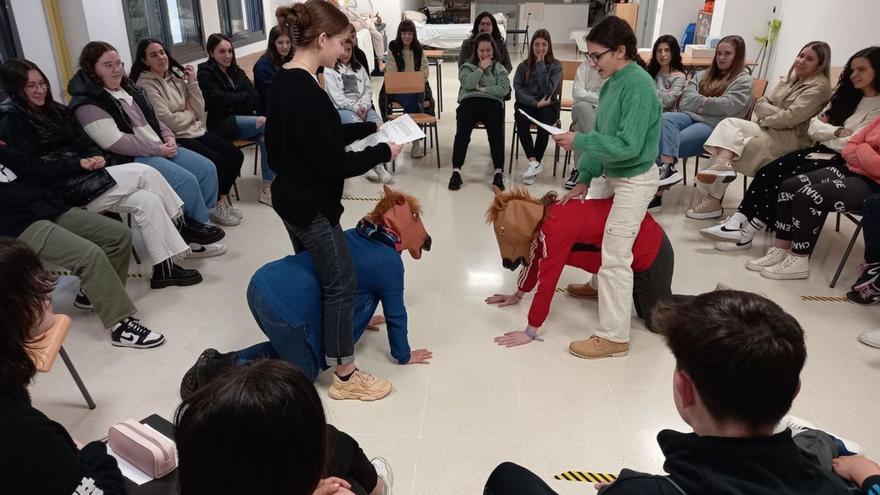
(401, 130)
(548, 128)
(137, 476)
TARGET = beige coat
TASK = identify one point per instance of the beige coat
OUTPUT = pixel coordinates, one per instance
(178, 104)
(779, 124)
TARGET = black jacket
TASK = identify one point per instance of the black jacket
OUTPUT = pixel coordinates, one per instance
(226, 97)
(39, 457)
(22, 200)
(731, 466)
(306, 143)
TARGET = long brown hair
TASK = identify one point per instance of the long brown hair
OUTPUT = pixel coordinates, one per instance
(89, 56)
(304, 22)
(541, 34)
(14, 75)
(716, 82)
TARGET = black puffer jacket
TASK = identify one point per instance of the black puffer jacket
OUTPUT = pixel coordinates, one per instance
(22, 200)
(226, 97)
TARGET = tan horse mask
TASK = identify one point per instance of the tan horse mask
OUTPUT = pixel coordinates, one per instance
(515, 216)
(401, 213)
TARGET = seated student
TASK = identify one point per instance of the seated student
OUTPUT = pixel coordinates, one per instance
(721, 91)
(350, 89)
(804, 200)
(118, 117)
(93, 247)
(261, 429)
(178, 103)
(854, 104)
(779, 122)
(484, 23)
(359, 22)
(278, 52)
(484, 85)
(668, 72)
(585, 94)
(866, 289)
(285, 297)
(38, 457)
(535, 83)
(724, 342)
(545, 237)
(68, 163)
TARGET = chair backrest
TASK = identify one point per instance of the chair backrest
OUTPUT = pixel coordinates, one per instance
(403, 83)
(759, 87)
(569, 69)
(44, 351)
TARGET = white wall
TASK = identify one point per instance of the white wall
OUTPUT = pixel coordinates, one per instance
(673, 16)
(747, 18)
(559, 19)
(35, 39)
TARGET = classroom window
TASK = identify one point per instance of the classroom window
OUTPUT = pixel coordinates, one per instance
(242, 20)
(178, 23)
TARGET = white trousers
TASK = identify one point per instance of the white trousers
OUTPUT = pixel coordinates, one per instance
(142, 192)
(631, 198)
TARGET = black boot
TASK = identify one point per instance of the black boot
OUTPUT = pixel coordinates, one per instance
(166, 274)
(199, 233)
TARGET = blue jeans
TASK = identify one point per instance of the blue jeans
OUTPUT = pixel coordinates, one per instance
(247, 129)
(349, 117)
(681, 136)
(410, 103)
(285, 341)
(192, 176)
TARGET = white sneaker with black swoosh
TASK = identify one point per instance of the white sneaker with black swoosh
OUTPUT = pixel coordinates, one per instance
(727, 231)
(205, 250)
(130, 333)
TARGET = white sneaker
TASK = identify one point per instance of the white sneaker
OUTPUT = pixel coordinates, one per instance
(222, 214)
(774, 256)
(733, 246)
(235, 211)
(708, 208)
(382, 173)
(534, 169)
(266, 196)
(792, 268)
(383, 470)
(372, 175)
(798, 426)
(727, 231)
(418, 151)
(528, 181)
(871, 338)
(205, 250)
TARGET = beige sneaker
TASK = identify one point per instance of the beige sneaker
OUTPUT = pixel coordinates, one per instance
(361, 386)
(721, 168)
(792, 268)
(709, 207)
(584, 291)
(774, 256)
(597, 348)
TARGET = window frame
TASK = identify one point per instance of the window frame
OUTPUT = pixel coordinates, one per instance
(183, 53)
(11, 43)
(246, 37)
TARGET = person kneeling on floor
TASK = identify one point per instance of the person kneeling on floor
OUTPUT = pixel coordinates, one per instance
(285, 299)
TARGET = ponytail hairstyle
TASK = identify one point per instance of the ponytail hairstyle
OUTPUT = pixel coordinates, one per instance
(612, 33)
(485, 38)
(716, 82)
(541, 34)
(139, 66)
(304, 22)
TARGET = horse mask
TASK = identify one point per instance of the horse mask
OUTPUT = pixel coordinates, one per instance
(401, 214)
(515, 217)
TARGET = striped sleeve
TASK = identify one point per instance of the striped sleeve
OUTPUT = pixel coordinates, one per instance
(101, 127)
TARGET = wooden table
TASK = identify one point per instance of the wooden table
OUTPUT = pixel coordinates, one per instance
(692, 64)
(435, 59)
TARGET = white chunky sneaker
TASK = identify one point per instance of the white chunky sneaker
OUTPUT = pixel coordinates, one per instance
(382, 173)
(727, 231)
(383, 470)
(774, 256)
(792, 268)
(534, 169)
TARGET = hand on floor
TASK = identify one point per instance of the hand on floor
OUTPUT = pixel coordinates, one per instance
(420, 356)
(502, 299)
(513, 339)
(375, 322)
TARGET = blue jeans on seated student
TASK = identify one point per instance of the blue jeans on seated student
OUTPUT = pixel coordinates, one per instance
(410, 103)
(682, 136)
(192, 176)
(349, 117)
(247, 129)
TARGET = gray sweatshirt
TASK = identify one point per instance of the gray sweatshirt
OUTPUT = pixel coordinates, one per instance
(544, 82)
(734, 102)
(669, 89)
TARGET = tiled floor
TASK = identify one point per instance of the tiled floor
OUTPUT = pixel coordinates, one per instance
(447, 424)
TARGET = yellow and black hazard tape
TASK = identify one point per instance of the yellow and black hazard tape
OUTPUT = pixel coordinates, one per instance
(586, 477)
(65, 273)
(824, 298)
(358, 198)
(561, 289)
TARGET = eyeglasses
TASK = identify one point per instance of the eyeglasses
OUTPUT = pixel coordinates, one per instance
(33, 86)
(119, 64)
(594, 57)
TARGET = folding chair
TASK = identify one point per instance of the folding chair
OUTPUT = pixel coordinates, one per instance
(44, 352)
(402, 83)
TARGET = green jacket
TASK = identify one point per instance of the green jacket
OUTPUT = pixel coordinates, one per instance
(495, 80)
(626, 139)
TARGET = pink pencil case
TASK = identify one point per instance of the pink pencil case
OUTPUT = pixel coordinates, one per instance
(142, 446)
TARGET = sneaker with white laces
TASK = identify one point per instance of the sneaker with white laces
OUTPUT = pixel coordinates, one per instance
(418, 150)
(205, 250)
(669, 176)
(266, 196)
(359, 386)
(382, 173)
(383, 471)
(222, 214)
(82, 301)
(871, 338)
(572, 179)
(720, 168)
(706, 209)
(131, 333)
(774, 256)
(534, 169)
(792, 268)
(797, 426)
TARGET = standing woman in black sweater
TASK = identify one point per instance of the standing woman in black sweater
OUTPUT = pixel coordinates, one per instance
(306, 142)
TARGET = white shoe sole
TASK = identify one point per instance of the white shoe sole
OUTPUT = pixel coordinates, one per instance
(528, 181)
(785, 276)
(671, 180)
(757, 268)
(206, 253)
(707, 176)
(132, 346)
(716, 234)
(704, 216)
(532, 172)
(656, 209)
(226, 222)
(732, 246)
(870, 340)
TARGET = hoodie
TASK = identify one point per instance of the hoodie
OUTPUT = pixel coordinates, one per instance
(711, 110)
(349, 88)
(178, 103)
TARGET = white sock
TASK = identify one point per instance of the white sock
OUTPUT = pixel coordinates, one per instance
(736, 221)
(499, 171)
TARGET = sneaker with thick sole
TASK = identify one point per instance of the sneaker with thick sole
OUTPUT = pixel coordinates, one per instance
(597, 348)
(222, 214)
(866, 295)
(383, 471)
(720, 168)
(418, 149)
(455, 181)
(656, 205)
(792, 268)
(582, 291)
(774, 256)
(498, 180)
(572, 179)
(195, 376)
(206, 250)
(360, 386)
(266, 196)
(382, 173)
(706, 209)
(535, 168)
(727, 247)
(669, 176)
(868, 274)
(528, 181)
(131, 333)
(871, 338)
(167, 274)
(727, 231)
(82, 301)
(236, 212)
(193, 231)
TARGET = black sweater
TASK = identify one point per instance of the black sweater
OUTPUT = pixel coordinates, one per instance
(226, 97)
(23, 201)
(306, 143)
(39, 457)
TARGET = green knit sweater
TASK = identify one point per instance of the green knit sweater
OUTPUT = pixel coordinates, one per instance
(495, 81)
(626, 138)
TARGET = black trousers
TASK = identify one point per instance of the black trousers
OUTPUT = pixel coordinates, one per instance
(509, 479)
(225, 156)
(871, 228)
(548, 115)
(761, 197)
(348, 461)
(475, 109)
(654, 285)
(804, 200)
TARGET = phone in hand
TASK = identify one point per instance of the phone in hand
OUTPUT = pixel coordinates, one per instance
(821, 156)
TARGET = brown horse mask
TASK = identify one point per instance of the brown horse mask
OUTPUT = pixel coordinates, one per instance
(401, 213)
(515, 216)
